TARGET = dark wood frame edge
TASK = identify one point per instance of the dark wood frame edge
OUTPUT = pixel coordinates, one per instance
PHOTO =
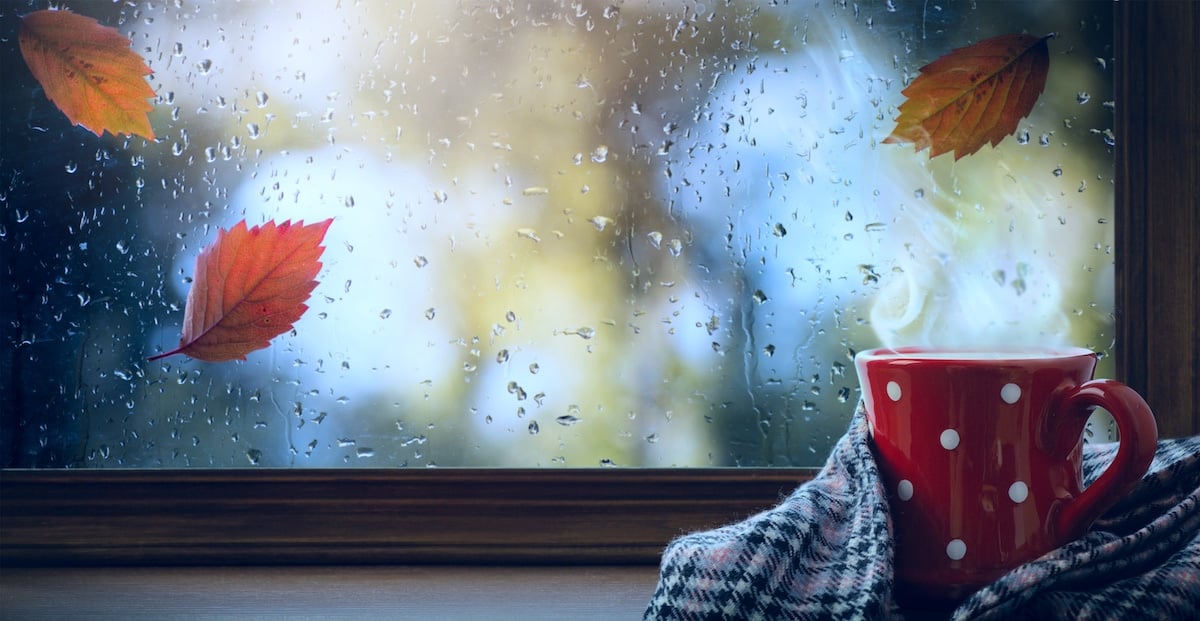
(54, 517)
(1157, 124)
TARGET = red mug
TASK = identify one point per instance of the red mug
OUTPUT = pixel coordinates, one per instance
(980, 453)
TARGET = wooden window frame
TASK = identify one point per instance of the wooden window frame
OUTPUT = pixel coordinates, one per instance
(236, 516)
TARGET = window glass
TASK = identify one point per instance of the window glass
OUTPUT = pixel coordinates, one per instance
(564, 233)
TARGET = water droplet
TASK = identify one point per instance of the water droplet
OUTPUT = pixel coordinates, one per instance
(534, 368)
(533, 428)
(652, 438)
(71, 167)
(261, 99)
(204, 66)
(675, 247)
(510, 316)
(253, 130)
(566, 420)
(875, 227)
(385, 313)
(210, 154)
(535, 191)
(655, 238)
(502, 356)
(600, 154)
(430, 313)
(759, 297)
(1058, 171)
(123, 247)
(779, 230)
(364, 451)
(254, 456)
(528, 233)
(1083, 97)
(420, 261)
(769, 350)
(600, 222)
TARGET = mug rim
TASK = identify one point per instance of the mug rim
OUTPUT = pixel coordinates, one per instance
(973, 354)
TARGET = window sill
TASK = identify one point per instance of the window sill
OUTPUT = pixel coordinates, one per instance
(358, 592)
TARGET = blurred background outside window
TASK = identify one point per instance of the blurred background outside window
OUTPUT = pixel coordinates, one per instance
(564, 233)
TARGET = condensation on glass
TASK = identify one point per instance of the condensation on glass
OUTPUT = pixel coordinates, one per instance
(564, 233)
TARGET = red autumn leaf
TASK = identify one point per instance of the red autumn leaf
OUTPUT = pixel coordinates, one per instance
(249, 287)
(973, 95)
(88, 71)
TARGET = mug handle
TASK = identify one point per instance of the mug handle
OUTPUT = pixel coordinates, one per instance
(1138, 437)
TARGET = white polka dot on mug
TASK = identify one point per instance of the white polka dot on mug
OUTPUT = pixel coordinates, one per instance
(1010, 393)
(893, 391)
(956, 549)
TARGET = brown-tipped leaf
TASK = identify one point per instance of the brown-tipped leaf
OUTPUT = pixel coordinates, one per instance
(974, 95)
(88, 71)
(249, 287)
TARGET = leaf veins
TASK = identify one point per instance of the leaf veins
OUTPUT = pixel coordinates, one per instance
(88, 71)
(249, 286)
(974, 95)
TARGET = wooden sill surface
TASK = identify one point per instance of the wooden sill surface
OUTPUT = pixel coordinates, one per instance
(328, 592)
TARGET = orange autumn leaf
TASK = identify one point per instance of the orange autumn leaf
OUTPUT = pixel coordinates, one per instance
(250, 286)
(973, 95)
(88, 71)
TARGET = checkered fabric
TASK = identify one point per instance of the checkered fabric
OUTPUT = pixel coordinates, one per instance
(826, 553)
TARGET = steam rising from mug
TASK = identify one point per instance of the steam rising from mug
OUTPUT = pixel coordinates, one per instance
(990, 252)
(952, 290)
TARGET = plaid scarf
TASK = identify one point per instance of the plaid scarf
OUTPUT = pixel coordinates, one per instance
(826, 553)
